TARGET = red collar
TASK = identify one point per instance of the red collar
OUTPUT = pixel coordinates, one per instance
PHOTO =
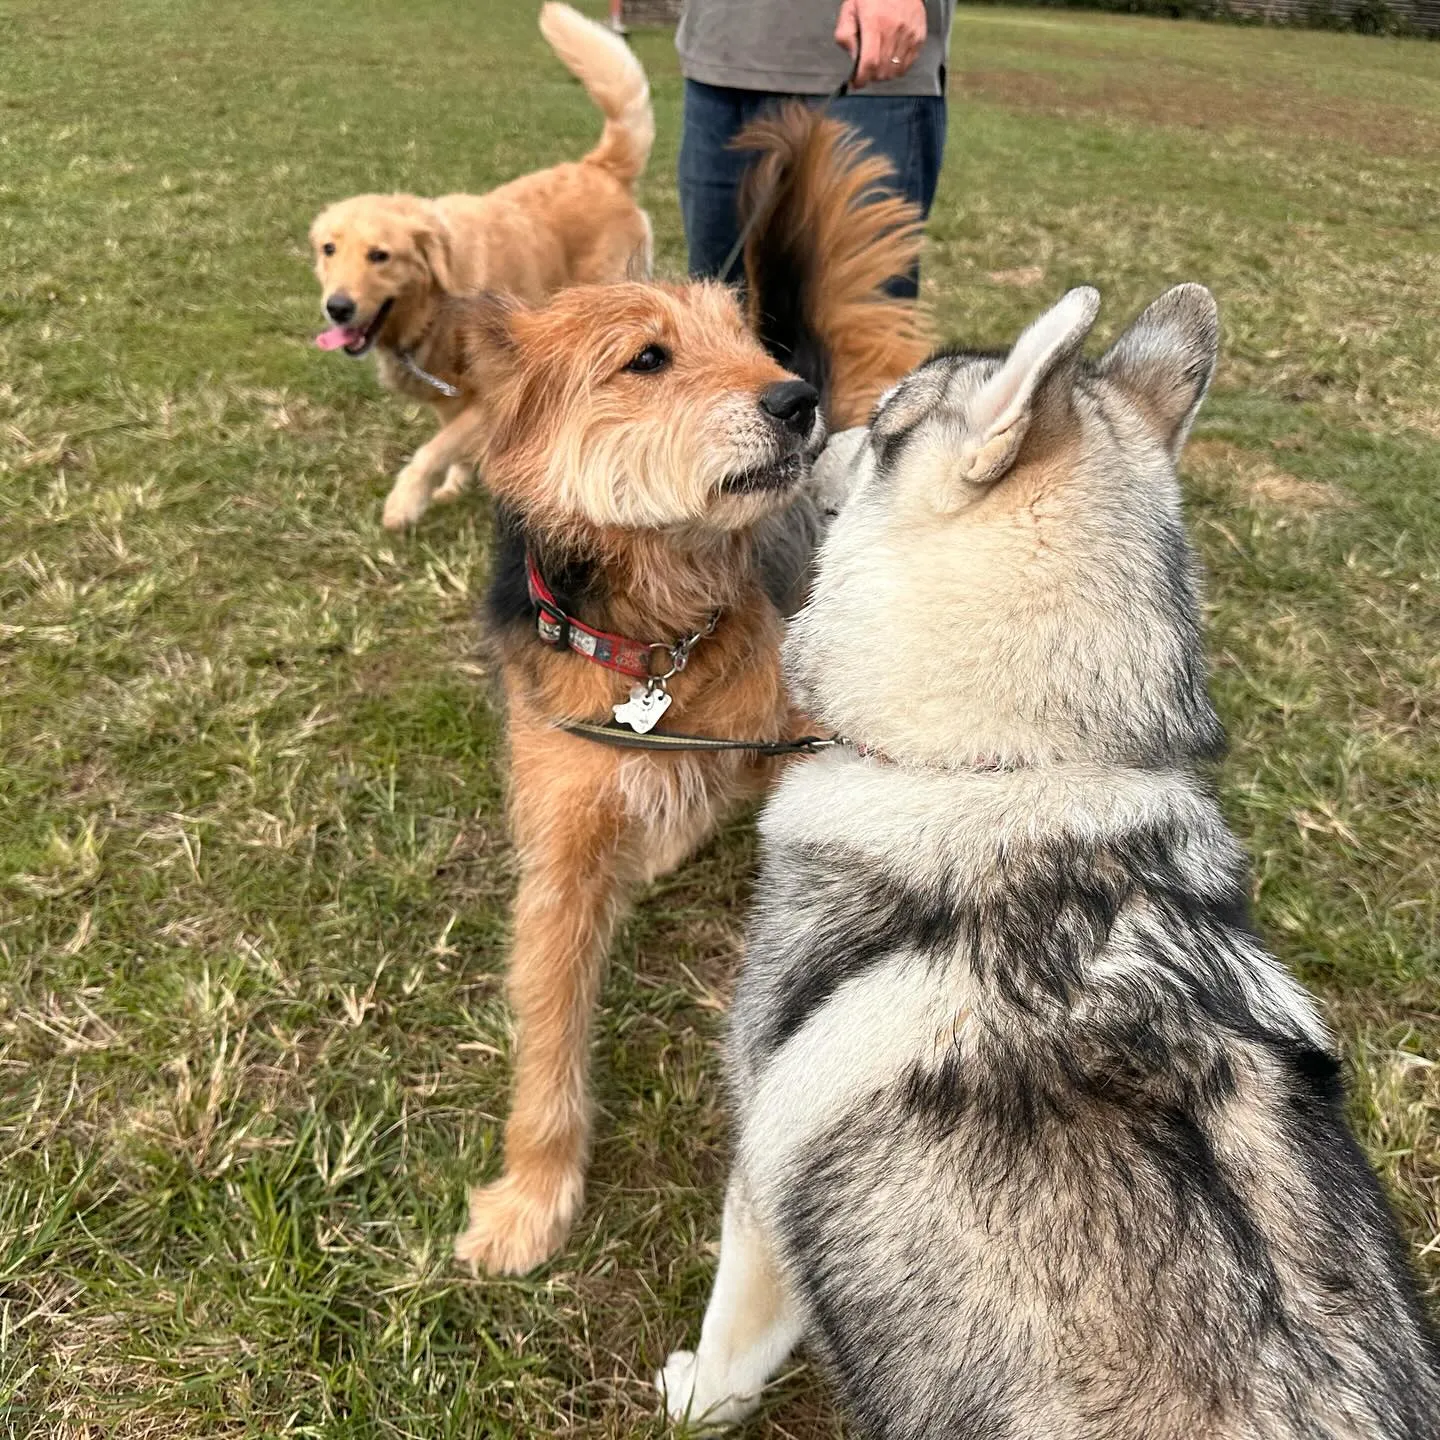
(635, 658)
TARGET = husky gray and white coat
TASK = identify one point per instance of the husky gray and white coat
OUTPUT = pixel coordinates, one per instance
(1034, 1138)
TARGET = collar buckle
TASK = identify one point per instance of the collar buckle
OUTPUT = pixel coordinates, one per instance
(553, 628)
(678, 654)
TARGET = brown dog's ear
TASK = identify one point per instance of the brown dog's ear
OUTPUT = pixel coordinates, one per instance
(485, 325)
(493, 365)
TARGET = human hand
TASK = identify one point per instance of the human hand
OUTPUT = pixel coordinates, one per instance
(884, 36)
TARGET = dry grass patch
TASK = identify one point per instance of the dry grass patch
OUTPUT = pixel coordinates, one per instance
(1256, 480)
(1395, 1056)
(1175, 95)
(1024, 277)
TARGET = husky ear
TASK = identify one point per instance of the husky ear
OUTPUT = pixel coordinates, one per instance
(999, 417)
(1166, 358)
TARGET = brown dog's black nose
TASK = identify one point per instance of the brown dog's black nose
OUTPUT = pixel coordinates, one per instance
(340, 308)
(793, 403)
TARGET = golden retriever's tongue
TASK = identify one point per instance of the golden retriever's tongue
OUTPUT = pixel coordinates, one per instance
(337, 336)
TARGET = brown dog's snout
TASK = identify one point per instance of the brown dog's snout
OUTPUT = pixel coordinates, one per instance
(340, 308)
(793, 404)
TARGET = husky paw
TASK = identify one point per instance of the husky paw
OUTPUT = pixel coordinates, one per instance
(689, 1400)
(514, 1227)
(676, 1383)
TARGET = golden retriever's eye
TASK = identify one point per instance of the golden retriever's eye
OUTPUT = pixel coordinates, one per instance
(328, 248)
(649, 360)
(378, 257)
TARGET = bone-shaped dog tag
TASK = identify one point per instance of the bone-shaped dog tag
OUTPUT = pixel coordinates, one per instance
(643, 709)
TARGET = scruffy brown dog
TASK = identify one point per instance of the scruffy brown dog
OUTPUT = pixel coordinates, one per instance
(649, 461)
(388, 263)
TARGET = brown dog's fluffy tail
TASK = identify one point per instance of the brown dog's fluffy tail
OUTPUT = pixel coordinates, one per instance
(823, 244)
(601, 61)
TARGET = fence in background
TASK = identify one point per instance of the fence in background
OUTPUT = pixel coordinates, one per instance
(625, 13)
(1369, 17)
(1372, 17)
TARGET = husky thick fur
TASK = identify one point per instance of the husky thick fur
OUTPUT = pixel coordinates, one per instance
(1034, 1138)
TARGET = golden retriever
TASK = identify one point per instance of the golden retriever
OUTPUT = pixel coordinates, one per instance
(648, 458)
(386, 263)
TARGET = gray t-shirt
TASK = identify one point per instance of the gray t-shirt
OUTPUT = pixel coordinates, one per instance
(788, 47)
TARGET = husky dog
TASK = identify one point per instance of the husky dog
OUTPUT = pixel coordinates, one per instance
(1034, 1138)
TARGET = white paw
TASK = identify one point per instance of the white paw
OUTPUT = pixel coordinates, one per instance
(676, 1383)
(406, 503)
(691, 1400)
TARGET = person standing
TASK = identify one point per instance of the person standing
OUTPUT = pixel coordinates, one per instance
(740, 57)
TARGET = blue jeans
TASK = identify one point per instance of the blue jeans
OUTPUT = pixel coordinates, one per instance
(909, 130)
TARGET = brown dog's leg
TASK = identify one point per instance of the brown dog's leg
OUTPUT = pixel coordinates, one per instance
(572, 889)
(457, 481)
(458, 441)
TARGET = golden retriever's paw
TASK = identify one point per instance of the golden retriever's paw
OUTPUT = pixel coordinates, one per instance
(457, 481)
(516, 1224)
(406, 503)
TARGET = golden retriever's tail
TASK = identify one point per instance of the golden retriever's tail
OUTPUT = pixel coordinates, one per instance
(602, 62)
(822, 246)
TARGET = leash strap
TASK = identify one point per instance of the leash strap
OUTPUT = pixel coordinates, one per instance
(443, 386)
(561, 631)
(625, 739)
(839, 93)
(608, 733)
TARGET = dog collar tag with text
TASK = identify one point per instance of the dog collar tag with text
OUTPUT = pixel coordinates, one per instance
(642, 711)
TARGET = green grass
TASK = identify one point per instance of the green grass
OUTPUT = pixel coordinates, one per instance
(253, 867)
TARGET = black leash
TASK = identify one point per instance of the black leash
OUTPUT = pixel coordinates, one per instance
(623, 738)
(738, 247)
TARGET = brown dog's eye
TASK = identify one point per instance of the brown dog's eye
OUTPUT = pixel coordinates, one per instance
(378, 257)
(649, 360)
(328, 248)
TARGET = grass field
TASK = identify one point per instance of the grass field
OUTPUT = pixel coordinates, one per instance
(253, 869)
